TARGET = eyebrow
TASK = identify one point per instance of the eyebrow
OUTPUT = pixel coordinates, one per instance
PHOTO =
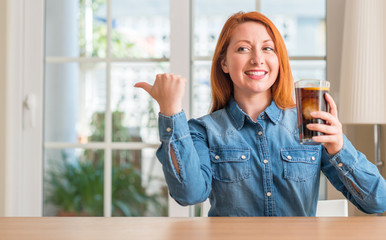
(247, 41)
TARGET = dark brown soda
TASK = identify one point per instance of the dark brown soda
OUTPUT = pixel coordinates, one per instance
(309, 100)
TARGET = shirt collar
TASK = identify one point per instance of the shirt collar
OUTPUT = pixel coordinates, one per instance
(239, 116)
(273, 112)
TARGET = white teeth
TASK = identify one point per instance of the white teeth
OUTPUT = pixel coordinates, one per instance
(255, 73)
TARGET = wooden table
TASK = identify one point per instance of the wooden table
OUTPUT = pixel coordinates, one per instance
(221, 228)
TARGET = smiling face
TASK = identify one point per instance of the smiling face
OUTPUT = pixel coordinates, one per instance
(251, 61)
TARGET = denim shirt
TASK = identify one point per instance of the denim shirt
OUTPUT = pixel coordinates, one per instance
(258, 168)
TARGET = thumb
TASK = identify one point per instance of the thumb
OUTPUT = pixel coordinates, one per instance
(145, 86)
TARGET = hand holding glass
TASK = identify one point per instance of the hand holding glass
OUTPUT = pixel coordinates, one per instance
(310, 97)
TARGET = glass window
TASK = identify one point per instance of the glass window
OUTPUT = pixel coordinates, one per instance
(73, 182)
(302, 24)
(134, 112)
(308, 69)
(140, 29)
(76, 28)
(98, 128)
(75, 102)
(138, 184)
(209, 17)
(201, 95)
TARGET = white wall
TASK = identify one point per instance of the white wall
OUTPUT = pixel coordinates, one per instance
(2, 103)
(335, 19)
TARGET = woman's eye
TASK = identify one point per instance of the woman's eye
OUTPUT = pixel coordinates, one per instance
(242, 49)
(268, 49)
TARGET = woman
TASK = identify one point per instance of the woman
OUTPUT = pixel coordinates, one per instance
(245, 156)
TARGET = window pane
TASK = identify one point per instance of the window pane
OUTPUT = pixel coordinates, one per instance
(301, 23)
(209, 17)
(308, 69)
(76, 28)
(135, 113)
(75, 102)
(73, 182)
(140, 29)
(138, 185)
(201, 95)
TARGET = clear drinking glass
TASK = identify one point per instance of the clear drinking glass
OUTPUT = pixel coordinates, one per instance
(310, 98)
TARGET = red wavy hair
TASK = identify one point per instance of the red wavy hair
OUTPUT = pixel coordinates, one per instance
(221, 83)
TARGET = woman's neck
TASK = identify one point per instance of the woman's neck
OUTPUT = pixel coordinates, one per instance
(254, 105)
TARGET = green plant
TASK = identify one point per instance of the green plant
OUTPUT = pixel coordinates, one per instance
(76, 187)
(129, 197)
(121, 46)
(120, 132)
(75, 184)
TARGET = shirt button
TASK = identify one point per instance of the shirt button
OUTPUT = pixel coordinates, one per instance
(265, 161)
(217, 157)
(289, 157)
(168, 129)
(340, 164)
(313, 158)
(269, 194)
(262, 116)
(260, 133)
(243, 157)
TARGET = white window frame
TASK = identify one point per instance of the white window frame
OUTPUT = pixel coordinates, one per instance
(23, 181)
(25, 74)
(180, 41)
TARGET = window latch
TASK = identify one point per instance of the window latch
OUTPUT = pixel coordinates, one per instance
(29, 105)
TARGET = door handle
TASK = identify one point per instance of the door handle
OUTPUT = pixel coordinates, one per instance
(29, 105)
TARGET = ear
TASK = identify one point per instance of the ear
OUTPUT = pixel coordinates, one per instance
(224, 66)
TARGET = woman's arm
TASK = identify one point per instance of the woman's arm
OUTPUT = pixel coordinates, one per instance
(357, 178)
(191, 184)
(346, 168)
(186, 169)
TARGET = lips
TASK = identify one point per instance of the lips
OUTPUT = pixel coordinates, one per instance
(256, 74)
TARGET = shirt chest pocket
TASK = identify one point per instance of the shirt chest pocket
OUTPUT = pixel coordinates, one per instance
(230, 164)
(300, 164)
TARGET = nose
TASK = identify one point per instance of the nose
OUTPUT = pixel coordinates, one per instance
(256, 58)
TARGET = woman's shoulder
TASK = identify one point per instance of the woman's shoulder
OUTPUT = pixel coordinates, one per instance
(210, 118)
(217, 123)
(289, 120)
(289, 113)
